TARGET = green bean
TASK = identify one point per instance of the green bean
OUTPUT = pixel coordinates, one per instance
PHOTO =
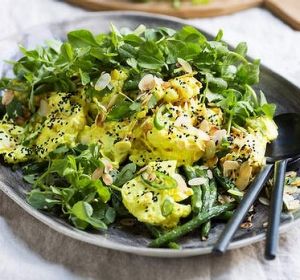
(226, 216)
(196, 200)
(155, 232)
(205, 229)
(225, 183)
(194, 223)
(205, 197)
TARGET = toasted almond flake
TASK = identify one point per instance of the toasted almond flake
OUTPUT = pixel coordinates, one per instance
(166, 85)
(182, 120)
(107, 179)
(100, 119)
(219, 135)
(265, 224)
(291, 174)
(246, 225)
(210, 149)
(180, 182)
(290, 190)
(143, 169)
(97, 173)
(199, 133)
(103, 81)
(244, 175)
(205, 126)
(107, 165)
(149, 176)
(186, 67)
(148, 82)
(296, 182)
(230, 165)
(44, 108)
(222, 198)
(203, 167)
(293, 205)
(198, 181)
(264, 201)
(209, 174)
(7, 97)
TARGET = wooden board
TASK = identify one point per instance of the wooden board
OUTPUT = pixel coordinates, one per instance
(288, 10)
(187, 10)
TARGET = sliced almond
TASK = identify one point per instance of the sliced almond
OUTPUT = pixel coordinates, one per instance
(246, 225)
(182, 121)
(186, 67)
(198, 181)
(100, 119)
(44, 108)
(244, 176)
(97, 174)
(264, 201)
(107, 165)
(229, 166)
(7, 97)
(107, 179)
(296, 182)
(205, 126)
(103, 81)
(180, 182)
(219, 135)
(210, 149)
(209, 174)
(148, 82)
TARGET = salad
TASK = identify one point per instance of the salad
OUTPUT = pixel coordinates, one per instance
(153, 125)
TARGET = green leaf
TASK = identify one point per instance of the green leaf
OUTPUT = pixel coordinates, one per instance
(125, 175)
(82, 38)
(84, 211)
(85, 78)
(58, 166)
(241, 49)
(54, 45)
(122, 109)
(102, 191)
(249, 73)
(41, 200)
(219, 35)
(67, 51)
(14, 109)
(215, 84)
(110, 215)
(149, 56)
(269, 110)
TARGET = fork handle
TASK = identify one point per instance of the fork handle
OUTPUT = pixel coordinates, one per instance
(242, 209)
(275, 210)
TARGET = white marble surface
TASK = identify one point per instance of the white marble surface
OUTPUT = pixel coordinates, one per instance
(30, 250)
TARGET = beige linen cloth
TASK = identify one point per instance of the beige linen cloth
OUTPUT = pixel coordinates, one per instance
(30, 250)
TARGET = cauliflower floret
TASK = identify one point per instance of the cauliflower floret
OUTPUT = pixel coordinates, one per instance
(157, 206)
(112, 137)
(177, 140)
(10, 143)
(179, 89)
(246, 156)
(64, 121)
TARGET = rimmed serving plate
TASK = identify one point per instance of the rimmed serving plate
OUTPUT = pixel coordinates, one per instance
(135, 239)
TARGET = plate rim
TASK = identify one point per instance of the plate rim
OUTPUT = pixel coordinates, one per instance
(106, 243)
